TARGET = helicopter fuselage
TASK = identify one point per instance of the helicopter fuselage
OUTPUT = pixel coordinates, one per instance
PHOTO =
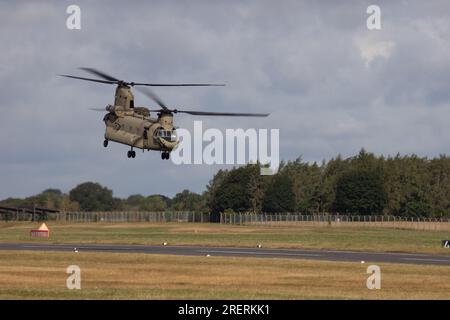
(139, 131)
(134, 127)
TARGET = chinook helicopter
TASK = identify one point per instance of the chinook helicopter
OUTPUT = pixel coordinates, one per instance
(134, 126)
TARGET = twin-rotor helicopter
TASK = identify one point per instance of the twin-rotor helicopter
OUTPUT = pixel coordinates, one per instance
(134, 126)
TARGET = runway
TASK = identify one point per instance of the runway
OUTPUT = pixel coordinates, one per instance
(326, 255)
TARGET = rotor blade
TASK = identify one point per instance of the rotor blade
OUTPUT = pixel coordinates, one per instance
(88, 79)
(149, 93)
(99, 73)
(108, 77)
(177, 84)
(227, 114)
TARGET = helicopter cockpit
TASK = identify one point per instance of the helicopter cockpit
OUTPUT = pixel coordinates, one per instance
(167, 134)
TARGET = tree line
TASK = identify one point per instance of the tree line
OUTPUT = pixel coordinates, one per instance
(362, 184)
(91, 196)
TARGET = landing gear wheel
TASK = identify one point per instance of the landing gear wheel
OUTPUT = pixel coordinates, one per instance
(129, 154)
(105, 143)
(133, 154)
(165, 156)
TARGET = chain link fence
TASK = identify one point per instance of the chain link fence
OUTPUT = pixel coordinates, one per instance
(288, 219)
(248, 219)
(173, 216)
(112, 216)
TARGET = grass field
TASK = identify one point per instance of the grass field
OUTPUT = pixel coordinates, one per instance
(42, 275)
(314, 237)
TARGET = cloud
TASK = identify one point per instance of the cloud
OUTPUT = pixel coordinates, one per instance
(370, 50)
(331, 85)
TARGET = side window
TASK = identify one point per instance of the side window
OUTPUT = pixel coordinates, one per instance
(131, 103)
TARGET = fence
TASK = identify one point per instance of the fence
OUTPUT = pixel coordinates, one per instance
(287, 219)
(280, 219)
(113, 216)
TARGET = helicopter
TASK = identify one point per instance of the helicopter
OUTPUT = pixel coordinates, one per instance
(134, 126)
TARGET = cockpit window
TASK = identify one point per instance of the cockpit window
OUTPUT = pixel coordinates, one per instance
(131, 103)
(167, 135)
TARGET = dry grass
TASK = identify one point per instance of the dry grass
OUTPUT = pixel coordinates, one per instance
(41, 275)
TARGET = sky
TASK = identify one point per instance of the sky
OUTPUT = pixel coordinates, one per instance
(331, 85)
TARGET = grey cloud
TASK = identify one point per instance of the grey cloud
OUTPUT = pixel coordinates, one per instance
(305, 62)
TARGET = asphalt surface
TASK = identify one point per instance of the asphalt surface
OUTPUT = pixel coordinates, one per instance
(327, 255)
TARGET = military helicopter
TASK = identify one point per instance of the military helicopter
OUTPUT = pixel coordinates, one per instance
(134, 126)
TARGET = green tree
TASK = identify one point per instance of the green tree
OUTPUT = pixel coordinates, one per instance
(306, 181)
(360, 190)
(134, 202)
(331, 172)
(416, 204)
(212, 187)
(279, 196)
(189, 201)
(92, 197)
(235, 190)
(154, 202)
